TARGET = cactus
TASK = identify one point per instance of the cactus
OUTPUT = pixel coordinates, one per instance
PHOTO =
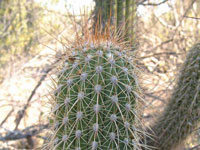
(96, 101)
(181, 115)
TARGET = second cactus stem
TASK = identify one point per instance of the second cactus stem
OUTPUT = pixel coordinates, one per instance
(181, 115)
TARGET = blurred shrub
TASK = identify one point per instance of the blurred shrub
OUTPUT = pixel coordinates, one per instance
(19, 22)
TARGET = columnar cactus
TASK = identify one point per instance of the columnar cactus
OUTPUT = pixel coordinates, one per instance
(96, 101)
(182, 113)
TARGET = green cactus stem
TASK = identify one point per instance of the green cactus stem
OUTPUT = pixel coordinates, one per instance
(181, 115)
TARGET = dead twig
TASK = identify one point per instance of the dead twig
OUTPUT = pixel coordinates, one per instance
(151, 4)
(21, 112)
(8, 115)
(161, 44)
(157, 54)
(192, 17)
(155, 97)
(195, 147)
(186, 12)
(25, 133)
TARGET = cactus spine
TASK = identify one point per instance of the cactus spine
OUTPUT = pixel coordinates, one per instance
(182, 113)
(96, 101)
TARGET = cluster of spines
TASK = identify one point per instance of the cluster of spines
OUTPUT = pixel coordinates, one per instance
(95, 102)
(181, 114)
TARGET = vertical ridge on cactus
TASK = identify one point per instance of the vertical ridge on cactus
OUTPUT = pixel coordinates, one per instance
(181, 115)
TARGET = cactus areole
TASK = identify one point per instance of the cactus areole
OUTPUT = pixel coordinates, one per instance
(95, 101)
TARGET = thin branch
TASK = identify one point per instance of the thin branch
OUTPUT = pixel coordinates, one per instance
(161, 44)
(192, 17)
(163, 22)
(21, 112)
(151, 4)
(187, 10)
(7, 117)
(155, 97)
(157, 54)
(195, 147)
(140, 3)
(25, 133)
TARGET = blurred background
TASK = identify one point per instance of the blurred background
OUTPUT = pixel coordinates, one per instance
(31, 35)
